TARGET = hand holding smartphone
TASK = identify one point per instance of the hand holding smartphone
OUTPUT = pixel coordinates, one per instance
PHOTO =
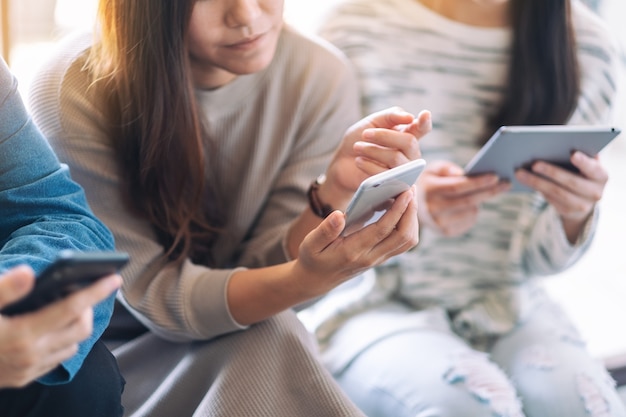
(70, 272)
(376, 193)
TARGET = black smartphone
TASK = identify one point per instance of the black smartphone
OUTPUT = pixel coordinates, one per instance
(71, 271)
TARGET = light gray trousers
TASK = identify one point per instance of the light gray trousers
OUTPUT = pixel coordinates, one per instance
(271, 369)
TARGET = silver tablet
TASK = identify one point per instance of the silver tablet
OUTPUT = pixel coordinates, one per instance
(513, 147)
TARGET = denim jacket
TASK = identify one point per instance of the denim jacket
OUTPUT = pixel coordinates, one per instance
(42, 210)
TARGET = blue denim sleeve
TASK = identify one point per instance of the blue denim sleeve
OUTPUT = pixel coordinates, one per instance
(42, 210)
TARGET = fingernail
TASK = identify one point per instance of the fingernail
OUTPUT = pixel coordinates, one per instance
(19, 284)
(408, 197)
(539, 167)
(368, 133)
(334, 220)
(491, 179)
(577, 156)
(429, 118)
(115, 283)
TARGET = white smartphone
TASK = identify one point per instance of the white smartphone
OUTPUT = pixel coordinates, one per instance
(376, 194)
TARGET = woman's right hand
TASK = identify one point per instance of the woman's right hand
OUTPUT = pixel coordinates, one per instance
(327, 259)
(449, 201)
(323, 260)
(35, 343)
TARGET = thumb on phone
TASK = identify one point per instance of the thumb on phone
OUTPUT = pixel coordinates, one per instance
(327, 232)
(15, 284)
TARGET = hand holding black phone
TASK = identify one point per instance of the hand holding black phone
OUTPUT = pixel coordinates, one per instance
(70, 272)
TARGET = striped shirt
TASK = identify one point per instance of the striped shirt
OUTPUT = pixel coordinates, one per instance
(407, 55)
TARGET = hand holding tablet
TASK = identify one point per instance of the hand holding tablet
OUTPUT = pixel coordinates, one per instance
(514, 147)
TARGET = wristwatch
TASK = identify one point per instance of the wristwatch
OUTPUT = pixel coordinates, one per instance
(318, 206)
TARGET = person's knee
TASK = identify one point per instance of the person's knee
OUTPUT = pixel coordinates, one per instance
(465, 384)
(283, 333)
(485, 383)
(565, 381)
(95, 391)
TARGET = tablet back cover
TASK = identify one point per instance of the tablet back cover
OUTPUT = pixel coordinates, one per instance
(513, 147)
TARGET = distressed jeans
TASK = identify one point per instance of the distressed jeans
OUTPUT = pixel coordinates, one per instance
(540, 369)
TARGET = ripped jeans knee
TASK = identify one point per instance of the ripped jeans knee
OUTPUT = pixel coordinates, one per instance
(485, 382)
(553, 373)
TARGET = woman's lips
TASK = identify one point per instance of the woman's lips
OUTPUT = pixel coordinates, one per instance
(248, 43)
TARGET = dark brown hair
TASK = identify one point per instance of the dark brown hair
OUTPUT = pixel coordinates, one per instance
(141, 63)
(544, 78)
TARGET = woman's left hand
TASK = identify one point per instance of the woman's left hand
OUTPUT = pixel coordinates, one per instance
(573, 195)
(376, 143)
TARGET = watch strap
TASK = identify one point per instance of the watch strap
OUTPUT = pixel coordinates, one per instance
(317, 206)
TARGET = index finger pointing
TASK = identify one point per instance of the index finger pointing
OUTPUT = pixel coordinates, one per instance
(389, 118)
(421, 125)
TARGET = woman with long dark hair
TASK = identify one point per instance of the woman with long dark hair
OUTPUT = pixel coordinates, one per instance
(197, 129)
(460, 326)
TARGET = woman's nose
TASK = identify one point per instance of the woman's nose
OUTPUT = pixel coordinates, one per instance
(243, 13)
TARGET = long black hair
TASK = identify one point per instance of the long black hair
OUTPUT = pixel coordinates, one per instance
(543, 82)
